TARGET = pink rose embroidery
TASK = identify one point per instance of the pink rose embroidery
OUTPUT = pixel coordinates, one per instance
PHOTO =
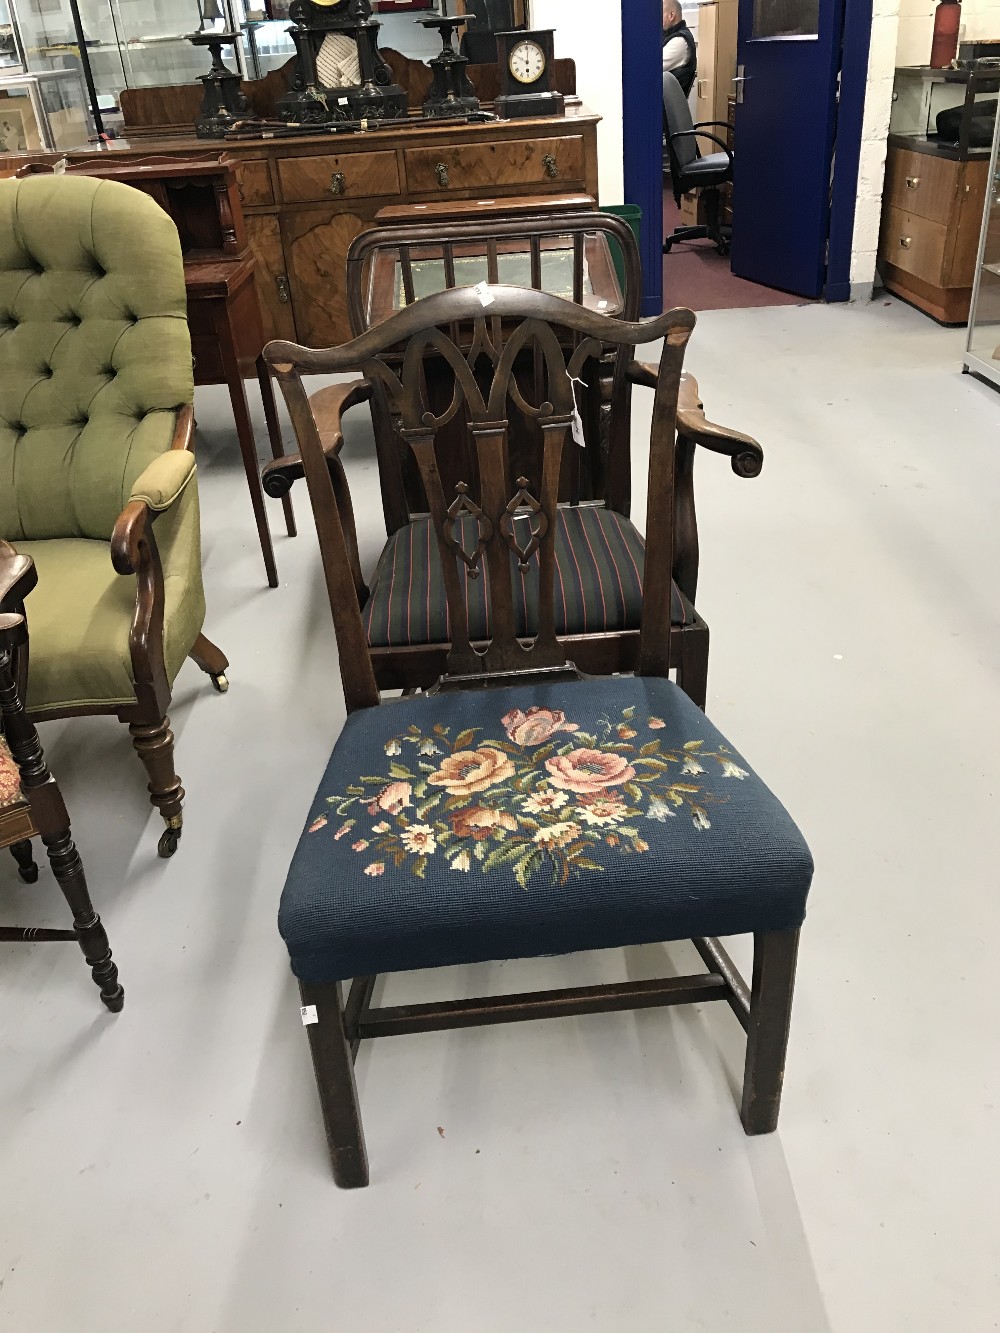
(468, 772)
(536, 725)
(314, 827)
(588, 771)
(392, 799)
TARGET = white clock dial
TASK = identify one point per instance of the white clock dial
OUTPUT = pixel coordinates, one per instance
(527, 62)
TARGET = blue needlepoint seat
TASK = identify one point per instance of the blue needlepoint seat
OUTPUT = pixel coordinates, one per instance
(546, 819)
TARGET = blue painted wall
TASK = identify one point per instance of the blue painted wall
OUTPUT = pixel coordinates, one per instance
(642, 87)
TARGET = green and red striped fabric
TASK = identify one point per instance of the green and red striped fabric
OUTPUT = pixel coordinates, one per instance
(599, 565)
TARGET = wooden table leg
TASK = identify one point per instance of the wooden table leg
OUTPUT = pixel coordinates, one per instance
(274, 434)
(226, 334)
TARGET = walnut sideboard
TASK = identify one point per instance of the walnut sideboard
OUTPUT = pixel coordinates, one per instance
(306, 198)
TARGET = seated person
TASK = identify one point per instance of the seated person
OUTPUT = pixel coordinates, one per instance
(680, 54)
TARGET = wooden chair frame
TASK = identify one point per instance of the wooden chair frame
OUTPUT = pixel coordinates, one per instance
(609, 418)
(43, 811)
(338, 1027)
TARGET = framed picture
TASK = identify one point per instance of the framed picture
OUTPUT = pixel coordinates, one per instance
(18, 126)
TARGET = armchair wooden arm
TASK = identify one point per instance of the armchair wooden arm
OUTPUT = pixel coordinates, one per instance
(743, 451)
(328, 407)
(17, 578)
(134, 551)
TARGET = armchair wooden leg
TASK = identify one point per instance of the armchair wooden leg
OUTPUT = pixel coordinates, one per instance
(338, 1091)
(68, 870)
(24, 855)
(774, 956)
(155, 747)
(213, 661)
(692, 675)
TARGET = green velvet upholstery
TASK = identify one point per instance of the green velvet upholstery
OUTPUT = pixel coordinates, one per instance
(95, 362)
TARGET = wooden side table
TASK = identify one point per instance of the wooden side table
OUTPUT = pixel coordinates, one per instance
(227, 340)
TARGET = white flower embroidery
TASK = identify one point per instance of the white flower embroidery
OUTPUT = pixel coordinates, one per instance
(419, 838)
(602, 814)
(692, 766)
(383, 827)
(393, 748)
(462, 862)
(701, 820)
(731, 770)
(660, 810)
(428, 747)
(558, 835)
(544, 801)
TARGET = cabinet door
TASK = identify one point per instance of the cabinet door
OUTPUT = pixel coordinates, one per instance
(317, 242)
(273, 289)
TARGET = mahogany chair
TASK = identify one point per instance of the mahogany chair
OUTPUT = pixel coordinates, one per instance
(519, 809)
(599, 552)
(31, 804)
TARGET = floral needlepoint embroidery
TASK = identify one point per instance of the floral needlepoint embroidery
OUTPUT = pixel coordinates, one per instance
(536, 725)
(471, 771)
(531, 795)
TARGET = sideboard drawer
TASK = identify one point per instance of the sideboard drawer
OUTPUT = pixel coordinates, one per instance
(306, 180)
(476, 166)
(914, 244)
(922, 183)
(253, 178)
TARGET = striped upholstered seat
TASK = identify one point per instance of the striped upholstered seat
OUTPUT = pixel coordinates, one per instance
(599, 566)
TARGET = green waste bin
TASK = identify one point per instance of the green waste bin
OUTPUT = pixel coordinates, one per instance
(631, 214)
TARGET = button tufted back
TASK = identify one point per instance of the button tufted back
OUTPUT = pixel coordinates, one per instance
(95, 353)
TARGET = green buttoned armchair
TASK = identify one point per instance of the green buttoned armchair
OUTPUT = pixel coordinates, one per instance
(97, 477)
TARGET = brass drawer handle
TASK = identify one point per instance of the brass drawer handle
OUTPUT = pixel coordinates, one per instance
(904, 242)
(441, 171)
(338, 183)
(284, 293)
(551, 166)
(912, 182)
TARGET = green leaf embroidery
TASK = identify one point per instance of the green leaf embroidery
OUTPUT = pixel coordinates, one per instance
(420, 867)
(424, 810)
(652, 748)
(465, 738)
(693, 745)
(400, 771)
(629, 713)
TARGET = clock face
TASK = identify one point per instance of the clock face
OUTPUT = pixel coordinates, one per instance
(527, 62)
(328, 4)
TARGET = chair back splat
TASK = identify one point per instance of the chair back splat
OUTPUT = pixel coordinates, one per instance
(483, 525)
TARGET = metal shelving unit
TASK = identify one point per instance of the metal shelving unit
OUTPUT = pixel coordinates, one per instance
(982, 349)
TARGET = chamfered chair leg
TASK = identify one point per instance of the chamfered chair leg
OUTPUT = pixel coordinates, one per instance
(774, 956)
(68, 870)
(213, 661)
(154, 744)
(338, 1090)
(24, 855)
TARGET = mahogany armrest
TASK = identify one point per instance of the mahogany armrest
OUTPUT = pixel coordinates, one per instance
(17, 576)
(126, 540)
(743, 451)
(328, 407)
(184, 430)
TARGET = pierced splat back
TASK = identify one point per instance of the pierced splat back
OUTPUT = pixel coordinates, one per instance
(509, 523)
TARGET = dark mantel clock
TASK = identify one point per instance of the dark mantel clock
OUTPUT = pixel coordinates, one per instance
(339, 70)
(527, 75)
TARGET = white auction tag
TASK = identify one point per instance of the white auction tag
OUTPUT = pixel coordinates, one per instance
(577, 426)
(482, 290)
(309, 1015)
(342, 101)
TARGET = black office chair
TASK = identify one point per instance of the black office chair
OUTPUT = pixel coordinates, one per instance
(689, 170)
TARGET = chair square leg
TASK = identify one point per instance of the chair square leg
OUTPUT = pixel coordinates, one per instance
(338, 1092)
(774, 957)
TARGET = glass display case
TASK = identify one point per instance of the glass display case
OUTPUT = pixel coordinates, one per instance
(950, 110)
(982, 351)
(47, 110)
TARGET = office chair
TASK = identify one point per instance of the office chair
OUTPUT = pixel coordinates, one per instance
(689, 170)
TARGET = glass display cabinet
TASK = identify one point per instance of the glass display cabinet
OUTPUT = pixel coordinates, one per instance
(950, 110)
(982, 351)
(47, 110)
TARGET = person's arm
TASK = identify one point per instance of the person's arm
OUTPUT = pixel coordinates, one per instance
(675, 53)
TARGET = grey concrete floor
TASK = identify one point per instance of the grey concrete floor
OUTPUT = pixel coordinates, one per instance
(166, 1169)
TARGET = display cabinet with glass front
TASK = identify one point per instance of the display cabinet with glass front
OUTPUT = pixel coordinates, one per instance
(982, 353)
(945, 111)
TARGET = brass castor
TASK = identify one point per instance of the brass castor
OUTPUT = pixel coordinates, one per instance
(220, 683)
(169, 839)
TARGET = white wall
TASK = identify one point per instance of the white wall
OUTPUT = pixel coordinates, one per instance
(592, 36)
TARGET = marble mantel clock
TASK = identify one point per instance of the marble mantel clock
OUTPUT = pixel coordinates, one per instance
(339, 71)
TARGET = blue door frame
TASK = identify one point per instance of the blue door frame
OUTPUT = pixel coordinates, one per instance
(642, 88)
